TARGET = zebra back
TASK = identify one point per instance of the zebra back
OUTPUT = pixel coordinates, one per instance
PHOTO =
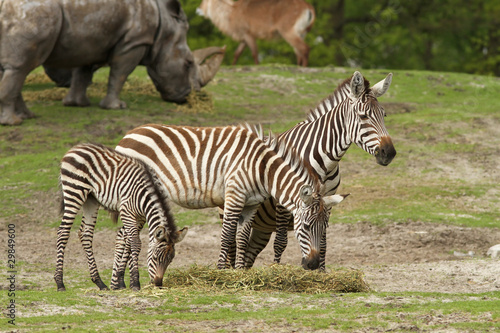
(196, 164)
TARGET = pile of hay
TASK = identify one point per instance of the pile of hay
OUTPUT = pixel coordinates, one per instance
(46, 95)
(35, 78)
(197, 101)
(273, 278)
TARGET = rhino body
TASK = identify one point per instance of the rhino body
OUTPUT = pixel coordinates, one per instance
(84, 34)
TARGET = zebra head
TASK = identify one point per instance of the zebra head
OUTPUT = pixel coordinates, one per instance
(161, 252)
(310, 223)
(366, 118)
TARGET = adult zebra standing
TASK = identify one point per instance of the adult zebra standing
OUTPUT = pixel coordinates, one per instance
(231, 167)
(93, 176)
(351, 114)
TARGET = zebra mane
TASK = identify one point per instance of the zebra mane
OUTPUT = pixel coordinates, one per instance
(287, 152)
(331, 101)
(160, 191)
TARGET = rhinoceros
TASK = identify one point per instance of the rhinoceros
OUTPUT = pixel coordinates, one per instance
(83, 34)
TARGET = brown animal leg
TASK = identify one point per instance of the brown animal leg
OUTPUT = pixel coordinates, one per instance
(299, 47)
(238, 52)
(252, 44)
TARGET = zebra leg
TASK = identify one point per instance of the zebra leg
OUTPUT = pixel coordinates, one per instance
(231, 255)
(257, 242)
(132, 236)
(322, 252)
(283, 218)
(86, 235)
(232, 212)
(62, 240)
(122, 255)
(242, 238)
(228, 235)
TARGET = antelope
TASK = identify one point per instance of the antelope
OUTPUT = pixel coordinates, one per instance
(248, 20)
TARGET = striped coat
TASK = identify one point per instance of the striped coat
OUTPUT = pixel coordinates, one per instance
(351, 114)
(92, 176)
(231, 167)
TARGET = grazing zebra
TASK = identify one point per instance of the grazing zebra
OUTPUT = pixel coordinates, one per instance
(351, 114)
(93, 176)
(231, 167)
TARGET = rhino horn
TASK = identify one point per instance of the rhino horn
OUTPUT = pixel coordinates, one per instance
(208, 67)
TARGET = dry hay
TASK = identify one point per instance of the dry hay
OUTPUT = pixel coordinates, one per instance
(197, 101)
(286, 278)
(37, 78)
(52, 94)
(140, 86)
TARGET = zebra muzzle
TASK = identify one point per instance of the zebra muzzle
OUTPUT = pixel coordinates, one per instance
(385, 152)
(311, 262)
(158, 281)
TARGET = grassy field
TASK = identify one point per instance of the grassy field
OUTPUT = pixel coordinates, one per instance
(446, 130)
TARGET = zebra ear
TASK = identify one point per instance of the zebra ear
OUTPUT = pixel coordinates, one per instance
(335, 199)
(160, 233)
(306, 192)
(181, 233)
(357, 85)
(381, 88)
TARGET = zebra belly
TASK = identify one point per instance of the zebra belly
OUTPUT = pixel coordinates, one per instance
(265, 218)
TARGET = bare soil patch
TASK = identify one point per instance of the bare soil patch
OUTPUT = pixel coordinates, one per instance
(411, 256)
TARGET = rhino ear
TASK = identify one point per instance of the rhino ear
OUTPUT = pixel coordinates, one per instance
(174, 7)
(357, 85)
(335, 199)
(181, 233)
(306, 192)
(381, 88)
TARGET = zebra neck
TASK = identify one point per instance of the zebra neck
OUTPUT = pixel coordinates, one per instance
(284, 186)
(319, 148)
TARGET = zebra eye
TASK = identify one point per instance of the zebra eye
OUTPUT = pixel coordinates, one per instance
(363, 117)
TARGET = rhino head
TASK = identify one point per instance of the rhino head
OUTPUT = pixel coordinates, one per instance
(173, 68)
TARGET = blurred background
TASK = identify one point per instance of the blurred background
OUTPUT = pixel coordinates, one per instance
(446, 35)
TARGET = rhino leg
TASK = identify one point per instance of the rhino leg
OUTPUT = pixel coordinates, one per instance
(21, 108)
(80, 80)
(120, 68)
(10, 97)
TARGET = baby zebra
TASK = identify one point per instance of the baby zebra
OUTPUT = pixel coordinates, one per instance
(93, 176)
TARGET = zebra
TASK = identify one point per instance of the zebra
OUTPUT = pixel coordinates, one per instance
(92, 176)
(351, 114)
(232, 167)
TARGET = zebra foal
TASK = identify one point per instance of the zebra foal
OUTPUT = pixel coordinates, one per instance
(231, 167)
(92, 176)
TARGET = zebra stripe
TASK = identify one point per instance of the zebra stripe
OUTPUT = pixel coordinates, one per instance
(351, 114)
(92, 176)
(229, 167)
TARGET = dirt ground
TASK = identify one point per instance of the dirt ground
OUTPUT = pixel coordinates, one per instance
(411, 256)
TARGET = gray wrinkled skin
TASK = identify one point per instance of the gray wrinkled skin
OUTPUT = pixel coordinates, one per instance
(83, 34)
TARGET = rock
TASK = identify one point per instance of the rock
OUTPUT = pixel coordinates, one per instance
(494, 251)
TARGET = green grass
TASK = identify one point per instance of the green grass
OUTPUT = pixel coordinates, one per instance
(84, 309)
